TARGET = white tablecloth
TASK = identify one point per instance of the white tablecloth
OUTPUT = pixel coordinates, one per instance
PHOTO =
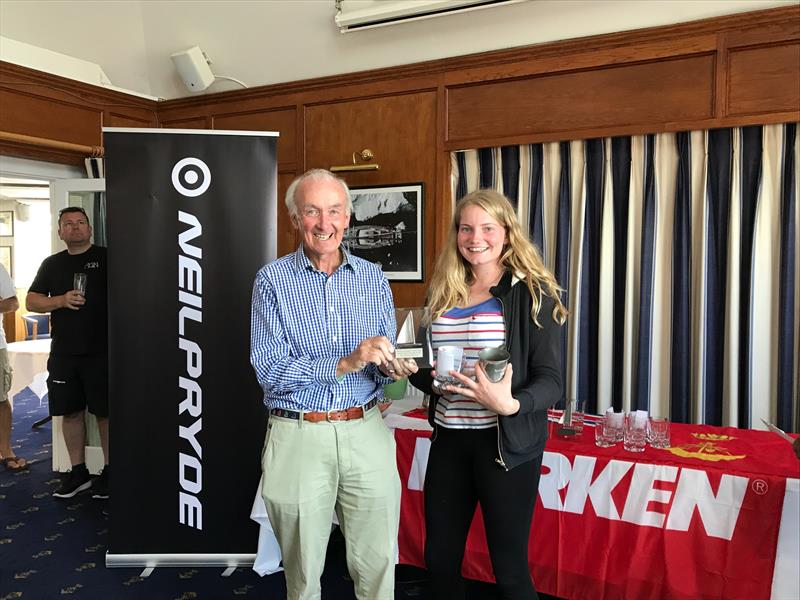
(29, 362)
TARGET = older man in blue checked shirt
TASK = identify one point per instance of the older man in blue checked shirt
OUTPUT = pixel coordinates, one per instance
(322, 337)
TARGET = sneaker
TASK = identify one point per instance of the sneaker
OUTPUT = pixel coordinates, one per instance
(100, 485)
(72, 483)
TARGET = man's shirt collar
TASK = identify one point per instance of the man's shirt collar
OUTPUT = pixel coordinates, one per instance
(302, 262)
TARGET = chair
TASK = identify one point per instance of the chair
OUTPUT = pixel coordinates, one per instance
(37, 327)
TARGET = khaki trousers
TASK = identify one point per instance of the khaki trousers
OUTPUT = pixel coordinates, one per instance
(312, 469)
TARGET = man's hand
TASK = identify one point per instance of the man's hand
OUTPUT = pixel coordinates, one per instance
(377, 350)
(73, 300)
(399, 368)
(42, 303)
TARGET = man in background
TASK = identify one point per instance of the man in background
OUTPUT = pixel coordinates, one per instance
(8, 303)
(322, 333)
(71, 286)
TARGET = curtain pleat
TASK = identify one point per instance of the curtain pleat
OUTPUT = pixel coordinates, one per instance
(641, 399)
(681, 375)
(718, 200)
(535, 195)
(699, 225)
(590, 271)
(679, 257)
(562, 245)
(487, 165)
(750, 161)
(620, 198)
(787, 308)
(509, 169)
(606, 308)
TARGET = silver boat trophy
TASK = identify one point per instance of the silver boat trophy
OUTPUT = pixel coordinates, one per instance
(412, 339)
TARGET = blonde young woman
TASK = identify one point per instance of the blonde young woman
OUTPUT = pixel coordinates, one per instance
(490, 288)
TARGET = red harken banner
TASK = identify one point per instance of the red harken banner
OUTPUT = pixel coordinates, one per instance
(698, 521)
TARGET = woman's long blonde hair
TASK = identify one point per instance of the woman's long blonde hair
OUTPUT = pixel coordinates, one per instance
(453, 276)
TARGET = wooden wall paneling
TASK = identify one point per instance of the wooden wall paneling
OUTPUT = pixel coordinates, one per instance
(721, 76)
(50, 107)
(669, 90)
(365, 84)
(187, 123)
(401, 131)
(580, 55)
(64, 120)
(764, 76)
(117, 119)
(284, 121)
(766, 27)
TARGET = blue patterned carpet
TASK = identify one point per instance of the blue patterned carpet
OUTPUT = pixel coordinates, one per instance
(54, 548)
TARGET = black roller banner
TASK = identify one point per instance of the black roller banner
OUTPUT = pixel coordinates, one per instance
(191, 217)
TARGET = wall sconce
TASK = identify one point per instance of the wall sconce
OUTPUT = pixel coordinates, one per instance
(365, 156)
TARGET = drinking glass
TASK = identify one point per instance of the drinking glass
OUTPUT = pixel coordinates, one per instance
(604, 434)
(635, 433)
(615, 422)
(79, 283)
(659, 432)
(575, 414)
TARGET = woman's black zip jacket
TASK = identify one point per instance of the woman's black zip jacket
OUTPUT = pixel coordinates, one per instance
(536, 382)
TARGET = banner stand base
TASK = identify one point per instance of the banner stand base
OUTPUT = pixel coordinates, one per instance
(151, 561)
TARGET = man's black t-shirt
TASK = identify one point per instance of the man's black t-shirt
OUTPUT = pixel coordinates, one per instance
(82, 331)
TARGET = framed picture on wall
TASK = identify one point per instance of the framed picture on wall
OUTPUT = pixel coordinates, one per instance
(6, 223)
(6, 258)
(386, 228)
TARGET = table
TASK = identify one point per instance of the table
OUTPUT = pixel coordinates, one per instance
(29, 362)
(715, 516)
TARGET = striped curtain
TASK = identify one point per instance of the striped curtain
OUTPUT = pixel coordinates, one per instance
(679, 255)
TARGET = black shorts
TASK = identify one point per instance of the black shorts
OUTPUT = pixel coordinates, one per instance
(78, 382)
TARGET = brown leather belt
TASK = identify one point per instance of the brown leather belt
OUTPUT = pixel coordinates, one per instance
(348, 414)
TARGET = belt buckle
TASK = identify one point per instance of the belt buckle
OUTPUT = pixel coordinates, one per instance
(342, 416)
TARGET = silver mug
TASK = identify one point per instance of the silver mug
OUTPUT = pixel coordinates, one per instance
(494, 361)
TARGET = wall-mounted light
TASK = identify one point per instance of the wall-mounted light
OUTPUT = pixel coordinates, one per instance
(365, 156)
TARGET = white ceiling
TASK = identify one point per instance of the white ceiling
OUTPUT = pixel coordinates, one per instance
(272, 41)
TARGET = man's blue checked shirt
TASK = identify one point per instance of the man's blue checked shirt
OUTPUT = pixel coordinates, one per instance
(304, 320)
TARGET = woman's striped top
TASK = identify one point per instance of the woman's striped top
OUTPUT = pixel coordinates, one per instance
(473, 328)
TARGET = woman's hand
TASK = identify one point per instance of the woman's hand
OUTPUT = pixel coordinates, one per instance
(494, 396)
(441, 388)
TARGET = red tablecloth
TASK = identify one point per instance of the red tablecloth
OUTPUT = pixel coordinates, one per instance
(700, 520)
